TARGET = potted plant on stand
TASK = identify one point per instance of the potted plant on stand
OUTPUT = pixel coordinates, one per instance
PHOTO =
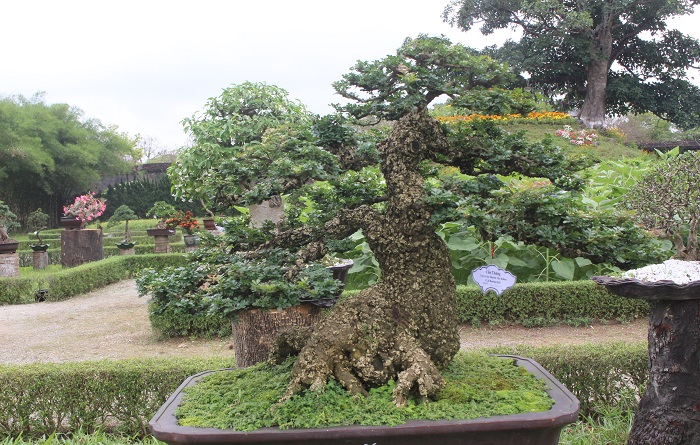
(80, 245)
(9, 260)
(162, 211)
(187, 222)
(124, 213)
(37, 221)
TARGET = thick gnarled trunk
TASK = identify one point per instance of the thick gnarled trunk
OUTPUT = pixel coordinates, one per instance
(403, 328)
(593, 110)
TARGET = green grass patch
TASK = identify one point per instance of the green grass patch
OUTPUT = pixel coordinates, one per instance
(607, 147)
(247, 399)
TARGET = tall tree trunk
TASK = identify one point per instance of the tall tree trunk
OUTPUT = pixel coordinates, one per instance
(404, 327)
(593, 110)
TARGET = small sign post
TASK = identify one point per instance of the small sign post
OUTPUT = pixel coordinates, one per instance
(493, 278)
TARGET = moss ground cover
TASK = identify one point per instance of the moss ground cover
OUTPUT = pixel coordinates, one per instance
(477, 386)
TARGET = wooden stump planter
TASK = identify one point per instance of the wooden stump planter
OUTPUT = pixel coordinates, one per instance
(81, 246)
(255, 330)
(539, 428)
(669, 411)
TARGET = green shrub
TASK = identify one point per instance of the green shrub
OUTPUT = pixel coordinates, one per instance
(17, 290)
(529, 304)
(121, 396)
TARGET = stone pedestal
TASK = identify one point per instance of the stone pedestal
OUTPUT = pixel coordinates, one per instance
(81, 246)
(9, 265)
(40, 259)
(131, 251)
(162, 244)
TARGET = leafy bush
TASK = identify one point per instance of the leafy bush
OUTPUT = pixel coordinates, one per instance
(177, 311)
(554, 301)
(121, 396)
(40, 399)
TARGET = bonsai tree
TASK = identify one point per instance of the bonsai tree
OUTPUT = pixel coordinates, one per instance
(85, 207)
(667, 199)
(404, 327)
(8, 221)
(123, 213)
(36, 222)
(184, 220)
(162, 211)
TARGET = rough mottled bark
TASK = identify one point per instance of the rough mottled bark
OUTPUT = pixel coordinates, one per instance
(81, 246)
(669, 412)
(404, 327)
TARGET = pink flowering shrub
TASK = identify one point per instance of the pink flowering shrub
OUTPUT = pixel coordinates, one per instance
(581, 137)
(85, 207)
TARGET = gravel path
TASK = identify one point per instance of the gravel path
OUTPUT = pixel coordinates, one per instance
(112, 323)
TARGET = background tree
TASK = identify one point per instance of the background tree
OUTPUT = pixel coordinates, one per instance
(602, 55)
(403, 327)
(50, 153)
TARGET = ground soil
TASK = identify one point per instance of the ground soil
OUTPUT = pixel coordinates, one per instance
(112, 323)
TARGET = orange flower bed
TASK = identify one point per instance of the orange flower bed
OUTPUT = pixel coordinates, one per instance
(534, 116)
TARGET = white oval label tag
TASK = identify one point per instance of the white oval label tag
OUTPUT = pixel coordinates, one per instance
(493, 278)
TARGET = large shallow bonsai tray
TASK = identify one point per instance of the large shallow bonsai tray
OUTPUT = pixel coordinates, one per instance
(540, 428)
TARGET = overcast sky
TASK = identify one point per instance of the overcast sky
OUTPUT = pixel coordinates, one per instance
(145, 65)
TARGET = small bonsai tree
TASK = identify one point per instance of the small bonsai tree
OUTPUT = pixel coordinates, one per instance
(185, 220)
(8, 221)
(123, 213)
(162, 211)
(36, 222)
(667, 199)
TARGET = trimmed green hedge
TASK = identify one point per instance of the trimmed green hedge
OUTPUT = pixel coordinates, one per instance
(26, 256)
(122, 396)
(78, 280)
(119, 396)
(528, 304)
(551, 301)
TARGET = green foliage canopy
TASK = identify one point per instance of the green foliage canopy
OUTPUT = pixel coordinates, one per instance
(50, 153)
(422, 70)
(603, 55)
(232, 151)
